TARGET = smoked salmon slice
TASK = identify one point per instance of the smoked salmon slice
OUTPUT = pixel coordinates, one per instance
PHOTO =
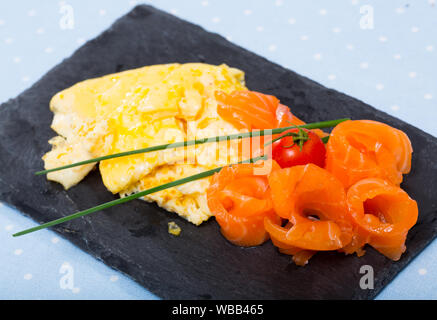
(383, 213)
(251, 110)
(248, 109)
(300, 256)
(314, 203)
(363, 149)
(240, 199)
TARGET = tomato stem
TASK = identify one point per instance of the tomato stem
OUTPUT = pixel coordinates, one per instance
(299, 138)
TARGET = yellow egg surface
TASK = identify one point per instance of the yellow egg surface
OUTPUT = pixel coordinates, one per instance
(140, 108)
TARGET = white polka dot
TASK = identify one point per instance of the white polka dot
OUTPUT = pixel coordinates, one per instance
(260, 28)
(173, 11)
(279, 3)
(102, 12)
(229, 38)
(9, 227)
(133, 2)
(80, 41)
(48, 50)
(216, 19)
(75, 290)
(379, 86)
(323, 12)
(364, 65)
(113, 278)
(317, 56)
(422, 271)
(350, 47)
(204, 3)
(28, 276)
(336, 30)
(332, 77)
(303, 37)
(428, 96)
(272, 47)
(55, 240)
(354, 2)
(291, 20)
(25, 79)
(18, 252)
(31, 13)
(40, 31)
(17, 59)
(397, 56)
(383, 39)
(429, 48)
(9, 40)
(412, 74)
(414, 29)
(395, 107)
(247, 12)
(400, 10)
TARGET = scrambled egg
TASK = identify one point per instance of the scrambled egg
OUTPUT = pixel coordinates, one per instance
(174, 229)
(141, 108)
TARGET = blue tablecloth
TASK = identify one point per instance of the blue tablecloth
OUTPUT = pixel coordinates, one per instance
(382, 52)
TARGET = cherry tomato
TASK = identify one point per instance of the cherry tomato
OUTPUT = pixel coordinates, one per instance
(300, 147)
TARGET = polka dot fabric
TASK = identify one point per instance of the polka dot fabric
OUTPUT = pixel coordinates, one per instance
(382, 52)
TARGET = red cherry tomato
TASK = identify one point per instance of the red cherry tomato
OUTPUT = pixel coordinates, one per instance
(301, 147)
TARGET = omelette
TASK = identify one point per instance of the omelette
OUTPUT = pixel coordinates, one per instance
(140, 108)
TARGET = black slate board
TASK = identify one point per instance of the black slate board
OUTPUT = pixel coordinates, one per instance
(133, 238)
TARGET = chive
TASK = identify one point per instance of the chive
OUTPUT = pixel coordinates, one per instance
(325, 139)
(279, 138)
(129, 198)
(257, 133)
